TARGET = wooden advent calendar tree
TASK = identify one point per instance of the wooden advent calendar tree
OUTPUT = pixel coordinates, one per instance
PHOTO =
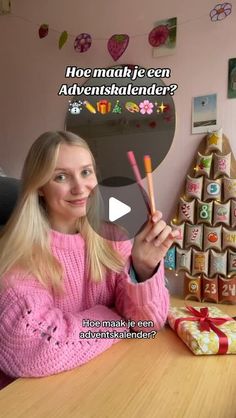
(205, 249)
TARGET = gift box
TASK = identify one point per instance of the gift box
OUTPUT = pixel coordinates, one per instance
(204, 330)
(103, 106)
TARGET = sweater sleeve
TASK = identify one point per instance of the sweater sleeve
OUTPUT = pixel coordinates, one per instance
(38, 339)
(144, 301)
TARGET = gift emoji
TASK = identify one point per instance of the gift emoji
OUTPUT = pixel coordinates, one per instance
(103, 106)
(204, 330)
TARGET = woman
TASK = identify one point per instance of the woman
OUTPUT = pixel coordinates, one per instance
(58, 276)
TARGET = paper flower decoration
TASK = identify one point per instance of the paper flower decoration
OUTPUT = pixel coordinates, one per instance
(193, 236)
(204, 212)
(43, 30)
(63, 38)
(200, 262)
(192, 288)
(186, 210)
(222, 164)
(218, 262)
(227, 290)
(212, 189)
(82, 42)
(146, 107)
(203, 164)
(194, 187)
(183, 259)
(220, 11)
(214, 141)
(221, 213)
(159, 35)
(179, 240)
(117, 45)
(169, 260)
(231, 263)
(229, 238)
(210, 289)
(233, 213)
(212, 237)
(229, 188)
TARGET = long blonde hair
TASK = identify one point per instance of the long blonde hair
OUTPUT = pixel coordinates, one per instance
(24, 241)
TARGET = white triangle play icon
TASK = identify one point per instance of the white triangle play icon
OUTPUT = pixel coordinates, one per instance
(117, 209)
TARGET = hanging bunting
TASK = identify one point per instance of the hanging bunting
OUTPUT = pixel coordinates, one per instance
(117, 45)
(63, 38)
(43, 30)
(220, 11)
(82, 42)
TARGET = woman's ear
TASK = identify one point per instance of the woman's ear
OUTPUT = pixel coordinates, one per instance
(40, 193)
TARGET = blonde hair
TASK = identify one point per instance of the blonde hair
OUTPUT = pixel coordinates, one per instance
(24, 241)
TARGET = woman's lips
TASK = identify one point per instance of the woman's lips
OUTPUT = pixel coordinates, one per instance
(78, 202)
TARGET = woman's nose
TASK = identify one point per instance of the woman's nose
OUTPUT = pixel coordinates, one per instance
(78, 186)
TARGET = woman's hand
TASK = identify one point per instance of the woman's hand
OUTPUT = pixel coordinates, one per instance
(151, 245)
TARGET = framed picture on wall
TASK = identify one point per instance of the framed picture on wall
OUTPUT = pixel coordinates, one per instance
(232, 78)
(204, 113)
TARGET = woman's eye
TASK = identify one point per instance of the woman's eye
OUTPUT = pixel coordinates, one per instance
(61, 177)
(86, 172)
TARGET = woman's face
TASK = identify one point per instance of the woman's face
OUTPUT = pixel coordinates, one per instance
(67, 192)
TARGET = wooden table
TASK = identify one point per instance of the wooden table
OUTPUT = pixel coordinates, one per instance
(135, 378)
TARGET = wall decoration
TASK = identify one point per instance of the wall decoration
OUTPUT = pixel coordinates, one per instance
(220, 11)
(63, 38)
(204, 113)
(232, 78)
(117, 45)
(163, 37)
(82, 42)
(206, 246)
(214, 141)
(43, 30)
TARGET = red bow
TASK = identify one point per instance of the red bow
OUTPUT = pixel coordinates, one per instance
(206, 323)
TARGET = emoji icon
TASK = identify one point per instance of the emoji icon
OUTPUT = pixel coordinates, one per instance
(131, 107)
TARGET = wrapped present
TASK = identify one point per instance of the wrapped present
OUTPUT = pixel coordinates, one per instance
(193, 187)
(210, 289)
(203, 164)
(204, 212)
(233, 213)
(231, 264)
(169, 260)
(222, 165)
(200, 261)
(179, 240)
(227, 290)
(186, 210)
(183, 259)
(229, 188)
(214, 141)
(212, 189)
(193, 236)
(221, 213)
(103, 106)
(218, 263)
(229, 238)
(212, 237)
(204, 330)
(192, 288)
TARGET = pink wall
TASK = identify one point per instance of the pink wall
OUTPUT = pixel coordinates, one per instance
(32, 70)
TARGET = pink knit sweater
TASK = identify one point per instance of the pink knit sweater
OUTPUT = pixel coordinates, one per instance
(40, 333)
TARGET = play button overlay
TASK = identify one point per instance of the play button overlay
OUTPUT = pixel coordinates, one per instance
(121, 204)
(117, 209)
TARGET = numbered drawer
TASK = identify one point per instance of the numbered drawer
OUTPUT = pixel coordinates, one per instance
(210, 289)
(227, 290)
(192, 287)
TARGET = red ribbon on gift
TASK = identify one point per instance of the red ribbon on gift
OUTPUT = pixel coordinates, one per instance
(206, 323)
